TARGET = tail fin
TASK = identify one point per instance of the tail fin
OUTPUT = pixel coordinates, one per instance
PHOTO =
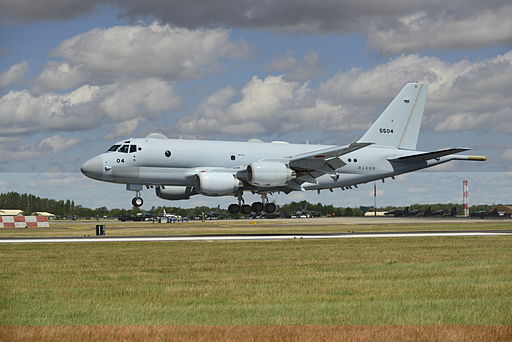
(399, 124)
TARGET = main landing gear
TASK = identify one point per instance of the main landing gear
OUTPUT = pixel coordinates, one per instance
(256, 207)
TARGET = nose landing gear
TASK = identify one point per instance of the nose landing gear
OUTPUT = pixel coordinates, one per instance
(137, 201)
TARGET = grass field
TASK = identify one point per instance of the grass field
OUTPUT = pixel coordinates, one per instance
(441, 280)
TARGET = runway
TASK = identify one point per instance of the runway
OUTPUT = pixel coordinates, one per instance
(249, 237)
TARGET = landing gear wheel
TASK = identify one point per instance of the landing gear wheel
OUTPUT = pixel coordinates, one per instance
(234, 209)
(270, 208)
(137, 202)
(246, 209)
(257, 207)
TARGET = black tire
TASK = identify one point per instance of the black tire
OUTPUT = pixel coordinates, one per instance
(257, 207)
(234, 208)
(137, 202)
(270, 208)
(246, 209)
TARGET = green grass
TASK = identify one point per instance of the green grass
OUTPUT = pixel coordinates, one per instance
(442, 280)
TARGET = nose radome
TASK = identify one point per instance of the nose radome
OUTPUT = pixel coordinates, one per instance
(93, 168)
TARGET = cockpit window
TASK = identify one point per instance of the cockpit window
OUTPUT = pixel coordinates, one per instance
(113, 148)
(124, 149)
(133, 148)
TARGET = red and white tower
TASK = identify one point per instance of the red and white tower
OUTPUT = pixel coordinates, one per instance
(465, 195)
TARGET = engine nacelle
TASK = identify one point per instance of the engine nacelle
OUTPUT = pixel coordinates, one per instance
(269, 174)
(217, 183)
(175, 192)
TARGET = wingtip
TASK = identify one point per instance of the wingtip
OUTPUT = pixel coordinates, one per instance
(477, 158)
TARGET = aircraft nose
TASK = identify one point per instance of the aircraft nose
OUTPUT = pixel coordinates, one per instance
(93, 168)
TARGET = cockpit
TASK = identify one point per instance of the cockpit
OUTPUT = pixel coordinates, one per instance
(124, 148)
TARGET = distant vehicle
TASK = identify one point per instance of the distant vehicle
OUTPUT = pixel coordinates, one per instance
(124, 218)
(178, 168)
(482, 214)
(140, 217)
(215, 215)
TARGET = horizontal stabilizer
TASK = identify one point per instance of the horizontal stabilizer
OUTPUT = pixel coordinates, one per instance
(424, 156)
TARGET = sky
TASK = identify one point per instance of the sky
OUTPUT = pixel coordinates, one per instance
(78, 75)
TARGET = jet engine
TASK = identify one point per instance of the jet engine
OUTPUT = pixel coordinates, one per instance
(175, 192)
(217, 183)
(269, 174)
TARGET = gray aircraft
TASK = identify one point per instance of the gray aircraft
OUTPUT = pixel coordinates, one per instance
(178, 169)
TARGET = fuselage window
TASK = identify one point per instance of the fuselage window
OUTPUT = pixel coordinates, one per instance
(124, 149)
(113, 148)
(167, 153)
(133, 148)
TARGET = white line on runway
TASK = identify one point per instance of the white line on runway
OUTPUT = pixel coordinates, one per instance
(245, 238)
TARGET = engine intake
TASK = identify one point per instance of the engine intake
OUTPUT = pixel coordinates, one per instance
(175, 192)
(217, 183)
(269, 174)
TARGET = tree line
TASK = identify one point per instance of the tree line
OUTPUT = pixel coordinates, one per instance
(67, 208)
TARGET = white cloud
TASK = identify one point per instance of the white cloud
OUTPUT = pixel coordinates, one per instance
(86, 107)
(283, 63)
(120, 52)
(127, 101)
(14, 75)
(122, 75)
(47, 146)
(124, 128)
(57, 143)
(60, 76)
(266, 105)
(297, 70)
(462, 96)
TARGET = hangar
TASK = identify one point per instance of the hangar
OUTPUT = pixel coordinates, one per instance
(11, 212)
(44, 213)
(502, 210)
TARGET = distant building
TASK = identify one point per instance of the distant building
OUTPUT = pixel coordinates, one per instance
(11, 212)
(44, 213)
(502, 210)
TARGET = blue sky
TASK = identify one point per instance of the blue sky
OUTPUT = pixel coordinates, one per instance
(78, 76)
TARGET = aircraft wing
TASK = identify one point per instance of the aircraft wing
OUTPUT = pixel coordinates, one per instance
(325, 160)
(424, 156)
(311, 165)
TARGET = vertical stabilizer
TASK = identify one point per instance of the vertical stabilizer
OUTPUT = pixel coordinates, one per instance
(399, 124)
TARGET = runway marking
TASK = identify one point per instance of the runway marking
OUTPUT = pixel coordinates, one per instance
(250, 237)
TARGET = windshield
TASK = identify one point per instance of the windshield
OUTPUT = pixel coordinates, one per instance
(113, 148)
(124, 149)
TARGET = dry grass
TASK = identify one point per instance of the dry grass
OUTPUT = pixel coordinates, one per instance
(256, 333)
(320, 225)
